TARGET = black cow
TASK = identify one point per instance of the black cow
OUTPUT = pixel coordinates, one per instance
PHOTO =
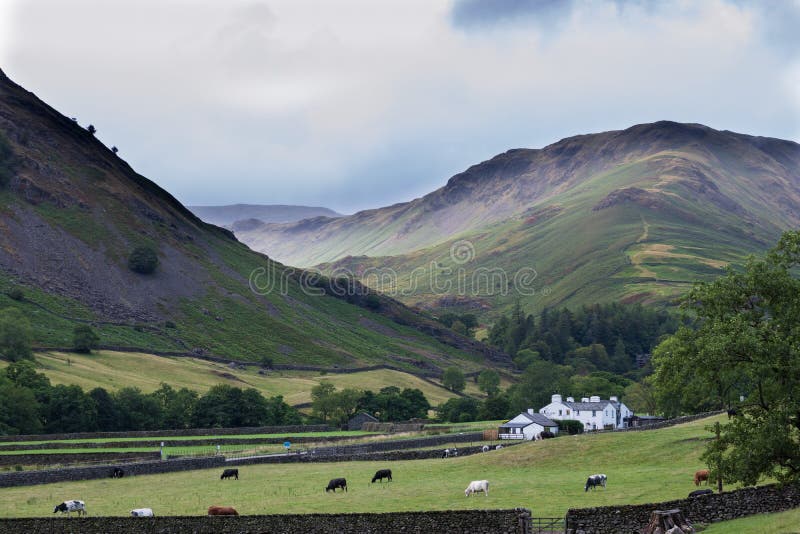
(336, 483)
(117, 473)
(547, 434)
(732, 412)
(700, 493)
(228, 473)
(381, 474)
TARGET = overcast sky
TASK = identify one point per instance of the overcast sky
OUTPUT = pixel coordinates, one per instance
(359, 104)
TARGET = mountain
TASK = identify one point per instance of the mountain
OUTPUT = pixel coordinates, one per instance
(72, 213)
(634, 215)
(254, 213)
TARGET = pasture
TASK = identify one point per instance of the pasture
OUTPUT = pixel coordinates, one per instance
(546, 476)
(778, 523)
(115, 370)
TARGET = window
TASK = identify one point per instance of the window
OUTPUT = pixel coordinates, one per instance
(577, 412)
(567, 412)
(594, 413)
(559, 412)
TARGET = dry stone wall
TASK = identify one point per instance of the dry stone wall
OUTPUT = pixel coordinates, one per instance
(706, 509)
(450, 522)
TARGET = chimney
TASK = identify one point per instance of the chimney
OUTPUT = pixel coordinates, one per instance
(613, 399)
(531, 412)
(594, 398)
(570, 399)
(555, 398)
(584, 399)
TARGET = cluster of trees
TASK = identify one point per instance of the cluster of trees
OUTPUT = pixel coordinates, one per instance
(15, 334)
(389, 404)
(30, 404)
(601, 337)
(464, 323)
(744, 353)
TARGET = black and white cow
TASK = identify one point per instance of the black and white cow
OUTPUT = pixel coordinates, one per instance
(595, 480)
(117, 473)
(142, 512)
(71, 506)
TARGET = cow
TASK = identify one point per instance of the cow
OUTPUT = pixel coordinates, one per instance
(336, 483)
(700, 476)
(498, 447)
(476, 486)
(142, 512)
(222, 510)
(732, 412)
(595, 480)
(117, 473)
(381, 474)
(700, 493)
(547, 434)
(485, 448)
(228, 473)
(71, 506)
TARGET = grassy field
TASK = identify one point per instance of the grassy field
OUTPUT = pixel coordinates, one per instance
(115, 370)
(546, 476)
(779, 523)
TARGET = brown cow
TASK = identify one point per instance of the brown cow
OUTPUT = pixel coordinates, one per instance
(222, 510)
(700, 476)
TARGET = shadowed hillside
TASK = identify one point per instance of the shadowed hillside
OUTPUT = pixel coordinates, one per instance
(72, 213)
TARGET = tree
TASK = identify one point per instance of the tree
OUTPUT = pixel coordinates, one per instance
(15, 335)
(322, 400)
(84, 339)
(345, 404)
(19, 409)
(747, 343)
(91, 129)
(489, 382)
(453, 379)
(459, 410)
(143, 260)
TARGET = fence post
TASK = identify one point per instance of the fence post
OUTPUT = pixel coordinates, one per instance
(523, 521)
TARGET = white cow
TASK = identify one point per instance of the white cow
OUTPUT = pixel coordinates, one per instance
(485, 448)
(71, 506)
(476, 486)
(499, 446)
(142, 512)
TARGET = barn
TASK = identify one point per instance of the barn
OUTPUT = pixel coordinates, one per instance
(355, 422)
(527, 425)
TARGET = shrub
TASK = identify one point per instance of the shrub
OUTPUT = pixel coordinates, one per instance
(84, 339)
(15, 335)
(143, 260)
(169, 324)
(15, 293)
(373, 302)
(570, 427)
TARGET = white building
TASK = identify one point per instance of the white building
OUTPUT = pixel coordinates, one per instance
(527, 425)
(594, 413)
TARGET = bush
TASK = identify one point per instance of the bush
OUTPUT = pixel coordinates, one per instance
(570, 427)
(84, 339)
(143, 260)
(15, 293)
(15, 336)
(169, 324)
(373, 302)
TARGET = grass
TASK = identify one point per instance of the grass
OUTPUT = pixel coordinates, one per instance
(777, 523)
(115, 370)
(546, 476)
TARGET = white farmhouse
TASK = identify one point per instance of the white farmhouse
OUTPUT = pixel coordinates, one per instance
(594, 413)
(527, 425)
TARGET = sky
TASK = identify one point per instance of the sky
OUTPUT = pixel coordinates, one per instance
(357, 104)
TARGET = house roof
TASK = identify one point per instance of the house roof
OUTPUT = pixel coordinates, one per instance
(514, 425)
(537, 418)
(590, 405)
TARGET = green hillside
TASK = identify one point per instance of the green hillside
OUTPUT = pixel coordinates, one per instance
(71, 214)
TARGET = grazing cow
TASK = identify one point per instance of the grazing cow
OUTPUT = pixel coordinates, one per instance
(228, 473)
(71, 506)
(732, 412)
(336, 483)
(381, 474)
(117, 473)
(142, 512)
(476, 486)
(700, 493)
(595, 480)
(700, 476)
(547, 434)
(485, 448)
(498, 447)
(450, 452)
(222, 510)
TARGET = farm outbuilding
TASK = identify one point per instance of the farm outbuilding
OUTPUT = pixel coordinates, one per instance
(527, 425)
(358, 420)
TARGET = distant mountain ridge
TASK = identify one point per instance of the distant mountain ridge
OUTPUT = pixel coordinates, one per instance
(228, 215)
(651, 208)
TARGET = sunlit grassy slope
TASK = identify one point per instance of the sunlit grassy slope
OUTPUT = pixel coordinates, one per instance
(115, 370)
(546, 476)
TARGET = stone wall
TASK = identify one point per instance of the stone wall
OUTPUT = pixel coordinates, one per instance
(705, 509)
(30, 478)
(450, 522)
(76, 458)
(155, 434)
